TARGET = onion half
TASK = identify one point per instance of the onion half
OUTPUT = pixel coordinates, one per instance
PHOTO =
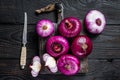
(81, 46)
(69, 27)
(57, 46)
(68, 64)
(95, 22)
(44, 28)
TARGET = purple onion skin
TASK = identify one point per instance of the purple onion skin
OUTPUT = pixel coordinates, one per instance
(70, 32)
(61, 41)
(42, 30)
(68, 64)
(81, 46)
(95, 22)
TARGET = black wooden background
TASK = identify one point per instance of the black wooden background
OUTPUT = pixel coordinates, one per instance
(104, 61)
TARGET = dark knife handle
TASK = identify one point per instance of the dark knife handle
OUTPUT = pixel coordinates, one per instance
(59, 10)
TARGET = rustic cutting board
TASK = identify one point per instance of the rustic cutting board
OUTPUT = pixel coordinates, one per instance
(45, 70)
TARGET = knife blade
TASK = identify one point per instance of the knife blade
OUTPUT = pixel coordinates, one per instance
(24, 41)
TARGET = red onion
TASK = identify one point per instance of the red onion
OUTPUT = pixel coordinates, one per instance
(95, 22)
(81, 46)
(44, 28)
(57, 45)
(68, 64)
(69, 27)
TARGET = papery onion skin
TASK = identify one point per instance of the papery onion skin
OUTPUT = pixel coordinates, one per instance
(44, 28)
(68, 64)
(95, 22)
(81, 46)
(70, 32)
(60, 40)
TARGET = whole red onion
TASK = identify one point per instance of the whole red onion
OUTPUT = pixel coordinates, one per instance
(57, 46)
(68, 64)
(81, 46)
(95, 22)
(44, 28)
(69, 27)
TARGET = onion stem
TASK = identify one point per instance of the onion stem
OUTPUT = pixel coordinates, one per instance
(69, 24)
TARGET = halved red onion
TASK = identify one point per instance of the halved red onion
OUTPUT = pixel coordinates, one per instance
(44, 28)
(69, 27)
(81, 46)
(68, 64)
(57, 46)
(95, 22)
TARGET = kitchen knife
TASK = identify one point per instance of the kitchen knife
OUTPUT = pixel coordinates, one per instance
(24, 41)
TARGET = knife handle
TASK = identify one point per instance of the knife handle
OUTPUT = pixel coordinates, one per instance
(23, 58)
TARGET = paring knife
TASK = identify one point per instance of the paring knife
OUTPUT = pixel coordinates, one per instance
(24, 41)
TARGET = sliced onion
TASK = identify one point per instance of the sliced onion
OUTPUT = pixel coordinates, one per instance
(45, 57)
(81, 46)
(57, 46)
(34, 74)
(36, 58)
(95, 22)
(54, 69)
(69, 27)
(36, 66)
(44, 28)
(50, 62)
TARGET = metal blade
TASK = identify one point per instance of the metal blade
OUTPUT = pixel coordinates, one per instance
(24, 41)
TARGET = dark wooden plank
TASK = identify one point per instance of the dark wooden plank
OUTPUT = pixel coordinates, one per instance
(76, 8)
(98, 70)
(79, 8)
(51, 77)
(105, 45)
(11, 11)
(11, 41)
(104, 61)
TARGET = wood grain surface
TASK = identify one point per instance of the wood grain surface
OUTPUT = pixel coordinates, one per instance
(103, 62)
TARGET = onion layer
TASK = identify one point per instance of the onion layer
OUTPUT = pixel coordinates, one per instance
(69, 27)
(68, 64)
(57, 46)
(44, 28)
(95, 22)
(81, 46)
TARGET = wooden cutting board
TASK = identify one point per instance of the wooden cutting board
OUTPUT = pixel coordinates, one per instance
(45, 70)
